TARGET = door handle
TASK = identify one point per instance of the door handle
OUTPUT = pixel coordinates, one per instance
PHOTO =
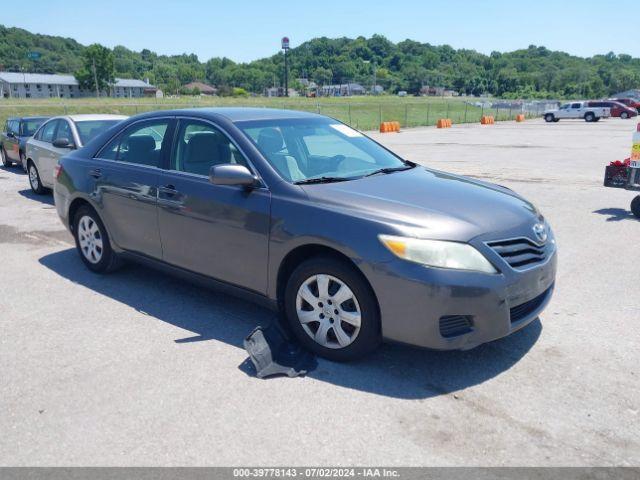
(168, 190)
(95, 173)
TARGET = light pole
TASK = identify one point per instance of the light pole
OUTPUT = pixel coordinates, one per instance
(285, 47)
(375, 80)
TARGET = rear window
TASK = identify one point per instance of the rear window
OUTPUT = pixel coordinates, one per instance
(89, 129)
(29, 127)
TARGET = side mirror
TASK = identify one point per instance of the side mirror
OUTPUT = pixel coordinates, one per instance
(11, 135)
(232, 174)
(62, 142)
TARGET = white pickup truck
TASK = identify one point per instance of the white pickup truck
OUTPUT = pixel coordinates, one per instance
(583, 110)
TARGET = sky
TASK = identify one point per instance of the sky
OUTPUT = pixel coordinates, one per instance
(245, 30)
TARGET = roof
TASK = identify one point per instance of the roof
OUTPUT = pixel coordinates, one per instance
(235, 114)
(28, 118)
(88, 117)
(55, 79)
(17, 77)
(203, 87)
(131, 82)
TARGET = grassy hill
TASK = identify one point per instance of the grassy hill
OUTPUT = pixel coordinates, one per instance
(535, 72)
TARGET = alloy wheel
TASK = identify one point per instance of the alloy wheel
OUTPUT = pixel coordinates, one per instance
(33, 178)
(90, 239)
(328, 311)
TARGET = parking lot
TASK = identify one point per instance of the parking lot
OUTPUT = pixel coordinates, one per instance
(137, 368)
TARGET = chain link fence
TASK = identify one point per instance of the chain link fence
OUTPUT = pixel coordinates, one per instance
(361, 115)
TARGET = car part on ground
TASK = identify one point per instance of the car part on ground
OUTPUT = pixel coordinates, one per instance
(273, 353)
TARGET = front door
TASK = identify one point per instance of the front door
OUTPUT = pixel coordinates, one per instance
(11, 142)
(216, 230)
(125, 176)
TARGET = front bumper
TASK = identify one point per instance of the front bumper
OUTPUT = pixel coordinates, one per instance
(414, 301)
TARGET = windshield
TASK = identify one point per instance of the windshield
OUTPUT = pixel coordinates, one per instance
(29, 127)
(88, 129)
(302, 149)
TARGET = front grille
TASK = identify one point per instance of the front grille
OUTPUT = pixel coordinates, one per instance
(454, 325)
(523, 310)
(519, 253)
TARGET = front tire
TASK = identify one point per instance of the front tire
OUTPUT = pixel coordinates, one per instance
(332, 310)
(34, 180)
(624, 115)
(635, 206)
(23, 162)
(92, 241)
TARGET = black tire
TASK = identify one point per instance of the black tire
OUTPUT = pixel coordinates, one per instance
(23, 162)
(5, 160)
(589, 117)
(34, 179)
(108, 260)
(367, 338)
(635, 206)
(549, 117)
(624, 115)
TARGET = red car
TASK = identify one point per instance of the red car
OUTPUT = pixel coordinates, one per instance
(617, 109)
(629, 102)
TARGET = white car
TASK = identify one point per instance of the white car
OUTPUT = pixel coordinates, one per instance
(577, 110)
(55, 138)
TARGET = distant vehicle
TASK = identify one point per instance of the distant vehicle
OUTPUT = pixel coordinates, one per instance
(302, 213)
(13, 139)
(617, 109)
(57, 137)
(402, 93)
(577, 110)
(629, 102)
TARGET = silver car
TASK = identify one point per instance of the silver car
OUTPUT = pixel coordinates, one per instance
(57, 137)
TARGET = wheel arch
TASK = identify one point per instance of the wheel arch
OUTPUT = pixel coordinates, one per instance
(303, 252)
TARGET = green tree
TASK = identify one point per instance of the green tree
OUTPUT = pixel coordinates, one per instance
(98, 71)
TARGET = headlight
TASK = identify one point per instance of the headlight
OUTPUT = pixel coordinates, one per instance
(438, 253)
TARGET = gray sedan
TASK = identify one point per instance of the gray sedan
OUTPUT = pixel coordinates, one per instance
(56, 138)
(312, 218)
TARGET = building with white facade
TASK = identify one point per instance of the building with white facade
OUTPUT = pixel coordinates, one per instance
(41, 85)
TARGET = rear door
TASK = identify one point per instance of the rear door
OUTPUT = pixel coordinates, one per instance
(220, 231)
(43, 153)
(125, 176)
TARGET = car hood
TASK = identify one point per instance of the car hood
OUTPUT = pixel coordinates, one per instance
(424, 202)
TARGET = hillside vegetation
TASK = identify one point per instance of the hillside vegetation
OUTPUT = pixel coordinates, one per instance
(535, 72)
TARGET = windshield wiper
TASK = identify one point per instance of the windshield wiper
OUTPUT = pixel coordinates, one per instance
(390, 170)
(308, 181)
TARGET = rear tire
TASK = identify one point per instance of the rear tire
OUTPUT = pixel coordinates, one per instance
(635, 207)
(549, 117)
(92, 241)
(23, 162)
(34, 180)
(5, 160)
(342, 319)
(589, 117)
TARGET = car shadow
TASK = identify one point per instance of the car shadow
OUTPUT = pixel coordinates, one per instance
(616, 214)
(393, 370)
(13, 169)
(45, 198)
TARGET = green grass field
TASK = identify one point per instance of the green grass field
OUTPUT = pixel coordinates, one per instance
(364, 113)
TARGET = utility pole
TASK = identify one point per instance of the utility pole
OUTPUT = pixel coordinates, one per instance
(95, 77)
(285, 47)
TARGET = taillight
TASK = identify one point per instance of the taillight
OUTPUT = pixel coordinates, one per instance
(638, 129)
(58, 171)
